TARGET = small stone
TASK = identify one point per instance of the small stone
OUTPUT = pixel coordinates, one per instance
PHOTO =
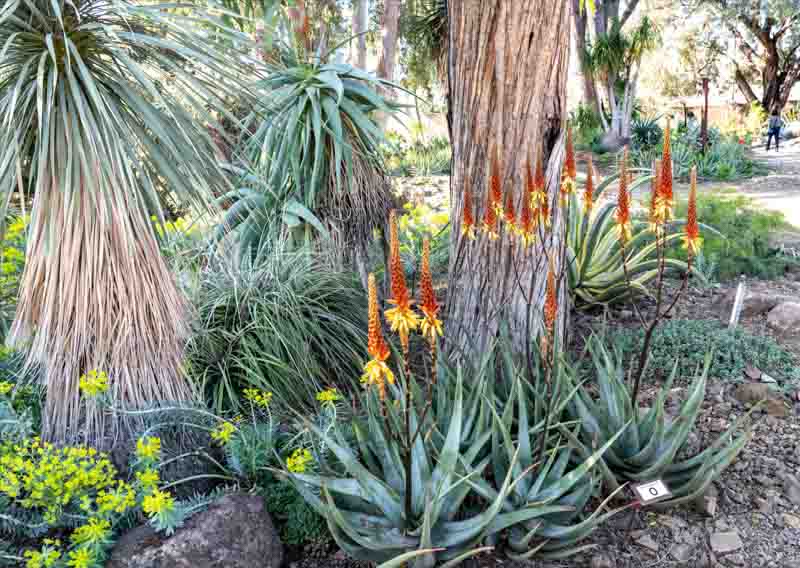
(681, 552)
(791, 521)
(736, 559)
(675, 523)
(765, 378)
(648, 542)
(603, 560)
(724, 542)
(791, 488)
(707, 503)
(750, 394)
(763, 505)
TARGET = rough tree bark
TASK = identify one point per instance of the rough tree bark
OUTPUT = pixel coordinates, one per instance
(358, 55)
(390, 23)
(507, 76)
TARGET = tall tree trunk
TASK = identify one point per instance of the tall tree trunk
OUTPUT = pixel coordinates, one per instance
(358, 54)
(391, 20)
(580, 19)
(508, 69)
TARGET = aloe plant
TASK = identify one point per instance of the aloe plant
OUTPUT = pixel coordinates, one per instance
(650, 446)
(554, 478)
(595, 268)
(365, 507)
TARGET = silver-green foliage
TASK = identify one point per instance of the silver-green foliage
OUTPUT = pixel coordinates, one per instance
(651, 446)
(595, 269)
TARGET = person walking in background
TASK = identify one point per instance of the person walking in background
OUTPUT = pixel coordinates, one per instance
(774, 129)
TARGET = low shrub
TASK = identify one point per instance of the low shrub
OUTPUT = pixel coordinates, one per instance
(687, 342)
(743, 243)
(298, 523)
(418, 158)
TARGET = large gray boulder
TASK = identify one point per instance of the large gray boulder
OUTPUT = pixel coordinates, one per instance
(234, 532)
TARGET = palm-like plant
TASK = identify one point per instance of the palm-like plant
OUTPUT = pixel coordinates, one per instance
(315, 146)
(103, 103)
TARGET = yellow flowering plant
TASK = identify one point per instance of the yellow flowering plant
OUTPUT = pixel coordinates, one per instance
(299, 461)
(93, 384)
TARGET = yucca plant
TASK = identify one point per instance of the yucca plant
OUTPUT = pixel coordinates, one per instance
(528, 444)
(595, 267)
(651, 445)
(314, 142)
(103, 102)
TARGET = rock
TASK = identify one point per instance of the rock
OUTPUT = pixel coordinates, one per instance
(681, 552)
(791, 521)
(755, 303)
(675, 523)
(765, 378)
(763, 505)
(791, 488)
(602, 560)
(750, 394)
(724, 542)
(784, 320)
(706, 504)
(648, 542)
(234, 532)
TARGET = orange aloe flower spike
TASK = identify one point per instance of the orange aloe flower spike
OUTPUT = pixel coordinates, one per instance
(623, 212)
(398, 278)
(570, 171)
(665, 189)
(692, 240)
(526, 216)
(551, 300)
(490, 215)
(653, 205)
(431, 326)
(376, 345)
(588, 193)
(401, 318)
(467, 218)
(495, 190)
(539, 181)
(510, 212)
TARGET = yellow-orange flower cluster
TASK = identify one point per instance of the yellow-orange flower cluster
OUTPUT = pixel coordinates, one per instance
(431, 326)
(570, 171)
(692, 240)
(376, 371)
(401, 318)
(467, 218)
(588, 193)
(622, 215)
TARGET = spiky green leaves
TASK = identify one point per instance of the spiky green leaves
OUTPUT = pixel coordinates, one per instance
(650, 446)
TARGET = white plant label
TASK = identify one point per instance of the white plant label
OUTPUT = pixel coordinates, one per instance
(652, 491)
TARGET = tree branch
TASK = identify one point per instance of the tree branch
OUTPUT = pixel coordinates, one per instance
(744, 86)
(629, 9)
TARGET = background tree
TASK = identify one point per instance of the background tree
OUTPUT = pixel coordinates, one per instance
(507, 90)
(614, 59)
(103, 101)
(590, 24)
(766, 41)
